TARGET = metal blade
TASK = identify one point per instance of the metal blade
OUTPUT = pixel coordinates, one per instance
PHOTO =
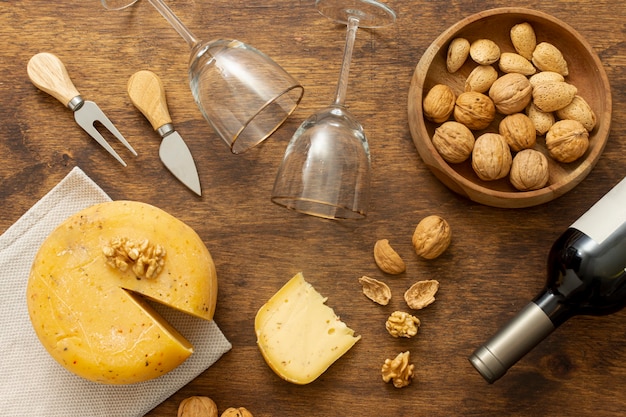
(176, 156)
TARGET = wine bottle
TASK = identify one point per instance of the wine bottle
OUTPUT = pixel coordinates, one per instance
(586, 276)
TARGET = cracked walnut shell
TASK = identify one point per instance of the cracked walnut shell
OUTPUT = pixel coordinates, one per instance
(402, 324)
(421, 294)
(375, 290)
(398, 370)
(387, 258)
(431, 237)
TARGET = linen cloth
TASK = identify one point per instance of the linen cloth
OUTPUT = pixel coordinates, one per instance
(32, 384)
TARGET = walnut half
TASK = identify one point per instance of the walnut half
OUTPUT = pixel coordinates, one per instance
(402, 324)
(398, 370)
(145, 259)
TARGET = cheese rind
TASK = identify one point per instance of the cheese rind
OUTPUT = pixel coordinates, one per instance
(298, 335)
(89, 315)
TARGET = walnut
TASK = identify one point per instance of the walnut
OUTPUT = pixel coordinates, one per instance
(431, 237)
(439, 103)
(375, 290)
(421, 294)
(511, 93)
(236, 412)
(529, 170)
(567, 140)
(402, 324)
(519, 131)
(454, 142)
(387, 258)
(398, 370)
(475, 110)
(197, 406)
(491, 157)
(145, 259)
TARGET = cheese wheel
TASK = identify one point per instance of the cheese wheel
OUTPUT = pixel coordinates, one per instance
(90, 314)
(298, 335)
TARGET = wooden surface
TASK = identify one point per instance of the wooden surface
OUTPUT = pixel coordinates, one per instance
(496, 261)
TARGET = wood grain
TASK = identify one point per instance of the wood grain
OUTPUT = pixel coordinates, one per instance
(496, 261)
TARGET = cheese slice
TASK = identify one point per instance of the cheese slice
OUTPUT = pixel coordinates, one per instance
(298, 335)
(91, 317)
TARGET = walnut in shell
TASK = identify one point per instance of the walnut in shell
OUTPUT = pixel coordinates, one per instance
(529, 170)
(454, 141)
(567, 140)
(431, 237)
(375, 290)
(519, 131)
(439, 103)
(421, 294)
(491, 157)
(511, 93)
(197, 406)
(475, 110)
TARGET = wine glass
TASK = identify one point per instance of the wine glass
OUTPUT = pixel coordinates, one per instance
(240, 91)
(325, 171)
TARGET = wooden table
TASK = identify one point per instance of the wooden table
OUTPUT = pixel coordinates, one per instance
(496, 262)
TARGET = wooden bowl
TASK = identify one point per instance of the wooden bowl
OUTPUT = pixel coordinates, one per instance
(585, 72)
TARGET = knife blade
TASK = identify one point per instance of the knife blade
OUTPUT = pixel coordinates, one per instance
(147, 93)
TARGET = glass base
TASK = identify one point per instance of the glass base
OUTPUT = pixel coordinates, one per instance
(371, 14)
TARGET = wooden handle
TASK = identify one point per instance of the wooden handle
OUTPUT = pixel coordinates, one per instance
(147, 93)
(48, 73)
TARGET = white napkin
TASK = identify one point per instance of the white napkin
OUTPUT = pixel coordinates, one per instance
(32, 384)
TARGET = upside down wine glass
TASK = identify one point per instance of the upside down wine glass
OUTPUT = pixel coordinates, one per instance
(243, 94)
(325, 171)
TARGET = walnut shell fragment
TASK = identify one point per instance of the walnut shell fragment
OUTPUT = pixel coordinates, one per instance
(398, 370)
(421, 294)
(375, 290)
(387, 258)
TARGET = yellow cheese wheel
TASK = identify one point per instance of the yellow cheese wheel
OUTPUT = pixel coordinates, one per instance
(89, 312)
(300, 336)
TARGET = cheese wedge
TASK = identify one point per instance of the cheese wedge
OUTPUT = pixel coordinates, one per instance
(298, 335)
(89, 314)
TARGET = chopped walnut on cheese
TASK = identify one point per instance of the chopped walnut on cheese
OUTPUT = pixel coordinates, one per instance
(144, 258)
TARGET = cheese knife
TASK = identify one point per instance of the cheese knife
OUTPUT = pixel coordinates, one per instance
(147, 93)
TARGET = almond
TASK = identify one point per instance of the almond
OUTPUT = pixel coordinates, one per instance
(458, 52)
(524, 39)
(484, 51)
(510, 62)
(548, 57)
(579, 110)
(481, 78)
(552, 96)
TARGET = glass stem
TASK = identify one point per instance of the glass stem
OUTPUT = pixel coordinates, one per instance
(173, 20)
(342, 85)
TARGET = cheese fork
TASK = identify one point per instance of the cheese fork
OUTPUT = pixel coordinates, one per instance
(47, 72)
